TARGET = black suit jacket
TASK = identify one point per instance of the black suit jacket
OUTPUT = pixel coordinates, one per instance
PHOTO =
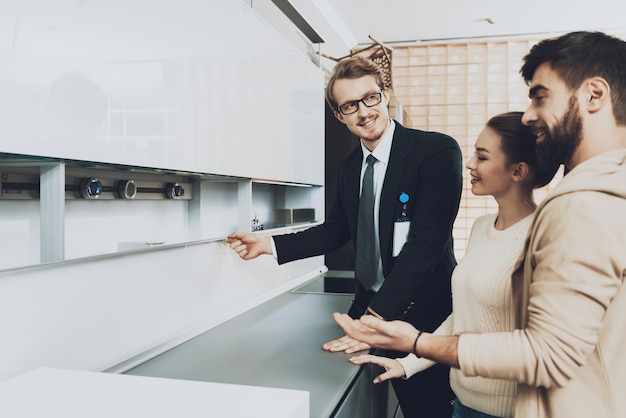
(426, 166)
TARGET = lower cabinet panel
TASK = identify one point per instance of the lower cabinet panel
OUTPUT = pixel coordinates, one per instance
(367, 400)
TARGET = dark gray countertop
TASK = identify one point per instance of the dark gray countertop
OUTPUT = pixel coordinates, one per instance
(277, 344)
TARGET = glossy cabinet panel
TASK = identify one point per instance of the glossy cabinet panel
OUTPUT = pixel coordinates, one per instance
(96, 313)
(78, 394)
(193, 85)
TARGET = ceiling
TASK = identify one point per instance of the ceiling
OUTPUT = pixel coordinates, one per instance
(344, 24)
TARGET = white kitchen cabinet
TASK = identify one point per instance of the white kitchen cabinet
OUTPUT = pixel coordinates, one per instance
(194, 86)
(49, 392)
(202, 93)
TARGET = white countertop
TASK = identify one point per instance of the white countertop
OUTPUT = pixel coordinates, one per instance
(277, 344)
(59, 393)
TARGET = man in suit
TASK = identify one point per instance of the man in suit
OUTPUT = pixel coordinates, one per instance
(416, 180)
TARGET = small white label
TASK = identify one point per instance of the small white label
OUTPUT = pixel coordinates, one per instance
(400, 235)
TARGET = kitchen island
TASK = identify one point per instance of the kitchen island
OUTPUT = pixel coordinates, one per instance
(278, 345)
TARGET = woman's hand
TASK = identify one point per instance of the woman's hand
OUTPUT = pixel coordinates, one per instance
(346, 344)
(393, 368)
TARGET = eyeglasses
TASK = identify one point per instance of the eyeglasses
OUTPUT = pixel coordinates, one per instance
(370, 100)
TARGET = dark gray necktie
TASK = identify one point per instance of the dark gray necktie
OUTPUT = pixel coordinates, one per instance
(366, 265)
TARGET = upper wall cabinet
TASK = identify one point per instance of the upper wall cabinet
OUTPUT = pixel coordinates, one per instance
(191, 85)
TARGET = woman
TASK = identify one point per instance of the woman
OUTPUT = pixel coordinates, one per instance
(503, 166)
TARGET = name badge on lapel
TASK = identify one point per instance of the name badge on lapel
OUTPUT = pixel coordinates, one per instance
(401, 227)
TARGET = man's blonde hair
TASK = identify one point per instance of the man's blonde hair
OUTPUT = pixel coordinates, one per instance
(353, 67)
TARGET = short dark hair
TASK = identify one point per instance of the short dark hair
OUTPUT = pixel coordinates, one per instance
(519, 144)
(353, 67)
(577, 56)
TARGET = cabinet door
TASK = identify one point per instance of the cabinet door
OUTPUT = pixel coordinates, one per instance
(192, 85)
(367, 400)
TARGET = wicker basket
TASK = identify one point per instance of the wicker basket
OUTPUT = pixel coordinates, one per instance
(381, 56)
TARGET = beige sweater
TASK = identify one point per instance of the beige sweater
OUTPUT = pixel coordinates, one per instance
(481, 295)
(567, 351)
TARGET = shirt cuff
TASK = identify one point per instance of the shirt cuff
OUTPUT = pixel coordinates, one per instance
(413, 364)
(274, 252)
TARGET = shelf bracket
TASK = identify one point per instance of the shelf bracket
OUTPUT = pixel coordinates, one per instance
(52, 209)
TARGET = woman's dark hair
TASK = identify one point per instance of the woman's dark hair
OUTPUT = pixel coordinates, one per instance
(519, 145)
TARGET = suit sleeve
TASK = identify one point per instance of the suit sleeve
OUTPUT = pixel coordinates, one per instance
(420, 275)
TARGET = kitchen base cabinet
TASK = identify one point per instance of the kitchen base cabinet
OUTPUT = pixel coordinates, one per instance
(366, 400)
(52, 392)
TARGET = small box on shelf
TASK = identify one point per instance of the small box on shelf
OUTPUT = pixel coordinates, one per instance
(293, 216)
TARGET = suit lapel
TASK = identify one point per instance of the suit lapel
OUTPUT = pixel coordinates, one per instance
(352, 185)
(390, 193)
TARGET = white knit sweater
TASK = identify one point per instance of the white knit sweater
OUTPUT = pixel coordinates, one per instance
(481, 302)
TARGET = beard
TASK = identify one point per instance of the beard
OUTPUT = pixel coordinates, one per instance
(561, 141)
(376, 132)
